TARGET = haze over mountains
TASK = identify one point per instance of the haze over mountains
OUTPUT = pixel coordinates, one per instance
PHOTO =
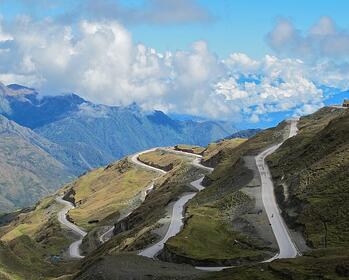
(69, 135)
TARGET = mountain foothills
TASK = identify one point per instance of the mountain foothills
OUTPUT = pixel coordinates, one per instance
(135, 205)
(48, 140)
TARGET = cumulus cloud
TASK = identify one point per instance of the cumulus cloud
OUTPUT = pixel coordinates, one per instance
(323, 40)
(269, 85)
(99, 60)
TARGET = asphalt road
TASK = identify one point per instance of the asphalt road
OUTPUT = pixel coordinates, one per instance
(177, 215)
(285, 243)
(74, 248)
(287, 248)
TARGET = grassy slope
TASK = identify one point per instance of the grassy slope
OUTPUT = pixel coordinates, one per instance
(29, 241)
(23, 258)
(137, 230)
(212, 153)
(207, 237)
(208, 233)
(314, 165)
(107, 191)
(41, 225)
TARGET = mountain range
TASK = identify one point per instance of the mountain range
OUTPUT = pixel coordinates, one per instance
(70, 135)
(130, 206)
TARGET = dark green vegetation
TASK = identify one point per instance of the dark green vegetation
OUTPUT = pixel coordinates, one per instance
(312, 175)
(129, 266)
(24, 259)
(208, 239)
(319, 264)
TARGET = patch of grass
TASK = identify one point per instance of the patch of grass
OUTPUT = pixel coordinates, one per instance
(23, 258)
(207, 236)
(41, 225)
(104, 191)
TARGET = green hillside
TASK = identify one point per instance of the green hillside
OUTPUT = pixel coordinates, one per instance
(311, 171)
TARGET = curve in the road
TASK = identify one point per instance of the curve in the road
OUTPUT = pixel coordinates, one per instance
(177, 215)
(286, 246)
(74, 248)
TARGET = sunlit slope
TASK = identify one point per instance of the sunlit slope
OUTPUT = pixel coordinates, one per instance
(105, 191)
(162, 159)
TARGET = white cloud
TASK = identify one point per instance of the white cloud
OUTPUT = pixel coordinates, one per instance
(323, 40)
(99, 61)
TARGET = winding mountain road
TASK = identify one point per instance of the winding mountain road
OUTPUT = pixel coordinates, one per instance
(287, 248)
(177, 215)
(74, 248)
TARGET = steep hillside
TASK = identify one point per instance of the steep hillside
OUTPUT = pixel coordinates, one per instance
(33, 244)
(311, 171)
(29, 169)
(102, 133)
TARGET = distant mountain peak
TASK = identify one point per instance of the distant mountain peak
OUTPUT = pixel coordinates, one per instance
(15, 90)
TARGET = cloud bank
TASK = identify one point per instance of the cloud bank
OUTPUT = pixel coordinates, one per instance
(98, 60)
(323, 40)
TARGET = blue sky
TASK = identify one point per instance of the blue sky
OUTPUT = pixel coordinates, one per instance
(248, 61)
(236, 25)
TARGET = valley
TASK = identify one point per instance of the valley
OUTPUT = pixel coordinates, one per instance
(189, 212)
(174, 140)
